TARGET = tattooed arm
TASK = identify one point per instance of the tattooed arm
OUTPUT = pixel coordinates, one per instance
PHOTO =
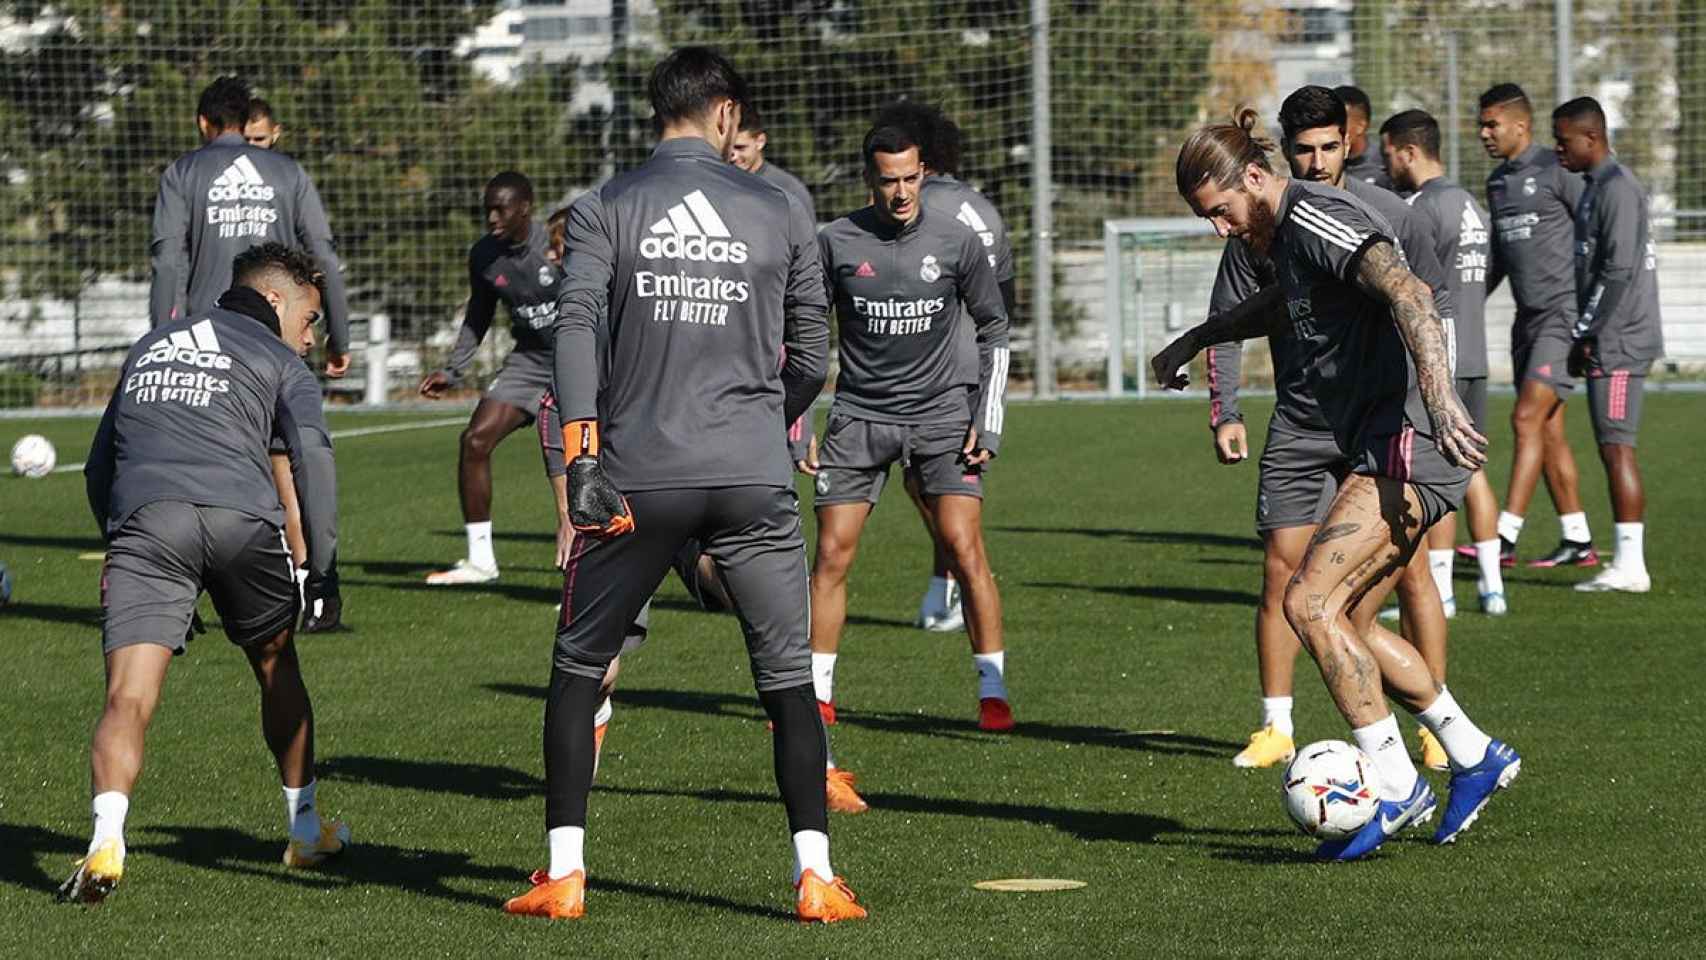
(1382, 275)
(1257, 316)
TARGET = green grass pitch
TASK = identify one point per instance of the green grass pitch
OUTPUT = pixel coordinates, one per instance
(1128, 570)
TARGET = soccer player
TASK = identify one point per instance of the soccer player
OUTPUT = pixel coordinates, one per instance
(945, 196)
(747, 153)
(696, 291)
(1457, 227)
(1297, 479)
(225, 197)
(509, 263)
(1365, 162)
(901, 281)
(180, 486)
(1368, 333)
(214, 203)
(1617, 335)
(262, 129)
(1533, 201)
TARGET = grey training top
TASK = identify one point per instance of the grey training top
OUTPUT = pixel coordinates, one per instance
(794, 185)
(196, 405)
(1295, 403)
(898, 294)
(1457, 227)
(1532, 200)
(526, 282)
(221, 199)
(1358, 367)
(693, 323)
(1617, 276)
(1369, 167)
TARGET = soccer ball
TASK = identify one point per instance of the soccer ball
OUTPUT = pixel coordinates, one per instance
(1331, 789)
(33, 457)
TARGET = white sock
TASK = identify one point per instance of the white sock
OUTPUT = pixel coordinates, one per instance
(301, 813)
(1385, 746)
(1439, 562)
(1464, 742)
(602, 716)
(109, 811)
(480, 545)
(1510, 525)
(823, 677)
(567, 855)
(1575, 527)
(811, 852)
(1276, 713)
(1630, 555)
(1487, 557)
(991, 674)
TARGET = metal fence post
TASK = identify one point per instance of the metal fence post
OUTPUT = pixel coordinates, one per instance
(1042, 206)
(1563, 14)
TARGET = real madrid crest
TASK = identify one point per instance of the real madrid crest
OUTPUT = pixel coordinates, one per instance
(1528, 187)
(930, 271)
(547, 275)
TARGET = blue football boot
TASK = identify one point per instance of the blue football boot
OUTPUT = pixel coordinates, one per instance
(1390, 817)
(1472, 788)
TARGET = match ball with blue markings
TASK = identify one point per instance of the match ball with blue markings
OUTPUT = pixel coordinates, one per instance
(1331, 789)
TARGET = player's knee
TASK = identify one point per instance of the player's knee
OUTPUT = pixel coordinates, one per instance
(477, 444)
(964, 548)
(834, 559)
(1308, 610)
(129, 706)
(1276, 576)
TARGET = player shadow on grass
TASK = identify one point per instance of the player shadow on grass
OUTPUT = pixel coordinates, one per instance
(744, 707)
(1179, 594)
(21, 847)
(1155, 537)
(84, 544)
(482, 781)
(52, 613)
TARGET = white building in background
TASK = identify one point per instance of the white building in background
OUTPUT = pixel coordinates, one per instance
(528, 32)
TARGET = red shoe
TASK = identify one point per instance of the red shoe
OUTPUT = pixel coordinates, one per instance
(825, 901)
(563, 899)
(994, 715)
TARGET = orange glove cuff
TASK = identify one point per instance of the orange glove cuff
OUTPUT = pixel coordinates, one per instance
(580, 438)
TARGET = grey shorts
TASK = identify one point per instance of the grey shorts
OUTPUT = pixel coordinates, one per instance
(855, 455)
(753, 535)
(1298, 477)
(1473, 392)
(1540, 350)
(1411, 457)
(168, 552)
(523, 378)
(1614, 397)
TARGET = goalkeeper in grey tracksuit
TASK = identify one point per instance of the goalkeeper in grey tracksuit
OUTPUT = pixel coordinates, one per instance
(692, 329)
(903, 279)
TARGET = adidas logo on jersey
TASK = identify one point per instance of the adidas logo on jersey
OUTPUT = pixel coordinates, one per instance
(240, 181)
(693, 231)
(1470, 230)
(195, 347)
(968, 216)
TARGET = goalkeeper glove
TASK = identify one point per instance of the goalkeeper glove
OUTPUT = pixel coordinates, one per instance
(596, 507)
(1584, 357)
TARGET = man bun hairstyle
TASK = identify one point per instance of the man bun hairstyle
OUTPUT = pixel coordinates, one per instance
(1507, 95)
(274, 260)
(225, 103)
(686, 84)
(1220, 152)
(1413, 128)
(940, 142)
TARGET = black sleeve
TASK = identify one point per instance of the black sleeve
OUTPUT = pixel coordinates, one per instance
(99, 467)
(301, 424)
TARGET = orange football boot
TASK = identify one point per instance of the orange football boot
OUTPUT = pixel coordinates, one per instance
(825, 901)
(839, 792)
(563, 899)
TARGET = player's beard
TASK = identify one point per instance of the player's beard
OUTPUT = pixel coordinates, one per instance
(1260, 235)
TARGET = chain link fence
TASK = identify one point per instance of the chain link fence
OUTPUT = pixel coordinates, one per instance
(401, 111)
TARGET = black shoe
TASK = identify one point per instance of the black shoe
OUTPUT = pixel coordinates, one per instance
(323, 615)
(1570, 553)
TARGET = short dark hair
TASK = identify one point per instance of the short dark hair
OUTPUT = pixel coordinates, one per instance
(1504, 94)
(887, 140)
(259, 110)
(258, 262)
(512, 180)
(1413, 128)
(685, 84)
(1310, 107)
(940, 142)
(225, 103)
(1580, 110)
(1354, 99)
(750, 121)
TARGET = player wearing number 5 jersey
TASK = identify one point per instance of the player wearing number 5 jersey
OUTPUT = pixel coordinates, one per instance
(904, 282)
